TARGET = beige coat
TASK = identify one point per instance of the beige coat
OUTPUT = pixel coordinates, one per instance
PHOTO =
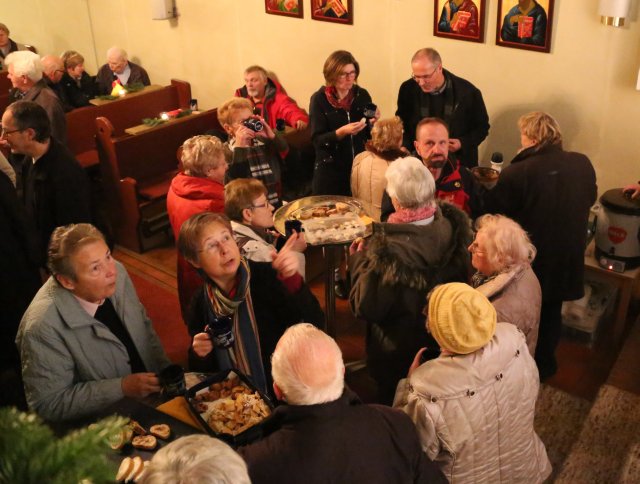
(474, 413)
(368, 182)
(517, 296)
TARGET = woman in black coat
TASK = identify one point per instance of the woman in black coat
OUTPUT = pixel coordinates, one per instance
(79, 86)
(341, 115)
(243, 307)
(549, 192)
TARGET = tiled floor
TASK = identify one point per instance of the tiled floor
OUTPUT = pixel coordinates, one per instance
(583, 368)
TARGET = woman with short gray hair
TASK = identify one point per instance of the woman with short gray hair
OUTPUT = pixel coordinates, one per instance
(424, 244)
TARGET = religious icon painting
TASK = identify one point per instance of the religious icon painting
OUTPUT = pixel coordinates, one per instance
(459, 19)
(340, 11)
(289, 8)
(525, 24)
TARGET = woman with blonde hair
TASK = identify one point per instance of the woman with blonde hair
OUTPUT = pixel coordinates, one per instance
(79, 86)
(502, 254)
(549, 192)
(367, 174)
(198, 188)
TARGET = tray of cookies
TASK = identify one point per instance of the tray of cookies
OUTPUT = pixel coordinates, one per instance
(229, 407)
(326, 219)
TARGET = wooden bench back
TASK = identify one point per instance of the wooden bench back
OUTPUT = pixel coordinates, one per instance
(123, 113)
(151, 154)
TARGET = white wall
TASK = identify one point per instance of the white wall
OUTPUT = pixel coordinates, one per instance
(587, 81)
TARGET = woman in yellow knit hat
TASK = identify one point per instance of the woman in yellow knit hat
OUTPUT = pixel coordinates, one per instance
(474, 404)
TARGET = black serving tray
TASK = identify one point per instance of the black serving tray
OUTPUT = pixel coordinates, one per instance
(252, 433)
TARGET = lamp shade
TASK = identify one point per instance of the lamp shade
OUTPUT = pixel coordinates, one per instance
(613, 12)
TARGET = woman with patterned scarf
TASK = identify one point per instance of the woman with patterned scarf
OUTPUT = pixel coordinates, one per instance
(423, 244)
(244, 306)
(339, 130)
(502, 255)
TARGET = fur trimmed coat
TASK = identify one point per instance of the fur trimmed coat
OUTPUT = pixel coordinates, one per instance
(390, 281)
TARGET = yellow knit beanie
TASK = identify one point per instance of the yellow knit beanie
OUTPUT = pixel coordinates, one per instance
(461, 319)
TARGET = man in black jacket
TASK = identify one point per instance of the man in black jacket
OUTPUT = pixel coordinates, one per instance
(433, 91)
(324, 433)
(54, 188)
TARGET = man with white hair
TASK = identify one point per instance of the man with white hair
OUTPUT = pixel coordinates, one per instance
(25, 73)
(324, 433)
(119, 68)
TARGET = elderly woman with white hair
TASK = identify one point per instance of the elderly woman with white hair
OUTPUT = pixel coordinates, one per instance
(119, 68)
(475, 403)
(424, 244)
(502, 254)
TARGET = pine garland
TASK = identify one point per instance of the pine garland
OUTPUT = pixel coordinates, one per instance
(32, 454)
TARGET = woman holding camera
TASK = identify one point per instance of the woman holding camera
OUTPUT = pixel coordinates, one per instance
(244, 306)
(341, 114)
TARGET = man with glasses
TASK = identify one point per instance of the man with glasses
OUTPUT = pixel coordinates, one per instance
(53, 185)
(433, 91)
(25, 73)
(53, 70)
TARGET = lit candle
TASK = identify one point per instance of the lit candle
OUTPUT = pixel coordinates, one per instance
(164, 116)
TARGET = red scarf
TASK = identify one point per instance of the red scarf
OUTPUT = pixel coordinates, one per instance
(408, 215)
(332, 96)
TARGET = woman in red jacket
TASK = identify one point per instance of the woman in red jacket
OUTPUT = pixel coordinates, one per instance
(198, 188)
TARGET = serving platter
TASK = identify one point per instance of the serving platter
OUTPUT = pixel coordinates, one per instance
(340, 210)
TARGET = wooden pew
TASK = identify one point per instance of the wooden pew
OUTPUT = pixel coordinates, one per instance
(137, 171)
(122, 113)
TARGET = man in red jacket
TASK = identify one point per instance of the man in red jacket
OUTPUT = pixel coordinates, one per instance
(270, 100)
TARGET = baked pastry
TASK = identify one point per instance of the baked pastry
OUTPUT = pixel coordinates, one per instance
(126, 466)
(162, 431)
(144, 442)
(137, 428)
(342, 207)
(136, 471)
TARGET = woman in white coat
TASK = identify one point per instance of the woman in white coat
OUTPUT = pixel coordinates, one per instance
(474, 405)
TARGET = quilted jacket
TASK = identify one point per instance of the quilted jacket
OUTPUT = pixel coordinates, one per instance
(474, 413)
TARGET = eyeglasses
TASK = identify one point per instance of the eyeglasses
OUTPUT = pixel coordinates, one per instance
(428, 77)
(263, 205)
(344, 75)
(4, 132)
(215, 246)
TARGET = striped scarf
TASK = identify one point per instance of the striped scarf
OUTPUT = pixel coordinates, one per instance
(244, 354)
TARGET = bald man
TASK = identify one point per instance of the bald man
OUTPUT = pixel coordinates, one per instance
(324, 433)
(53, 70)
(118, 67)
